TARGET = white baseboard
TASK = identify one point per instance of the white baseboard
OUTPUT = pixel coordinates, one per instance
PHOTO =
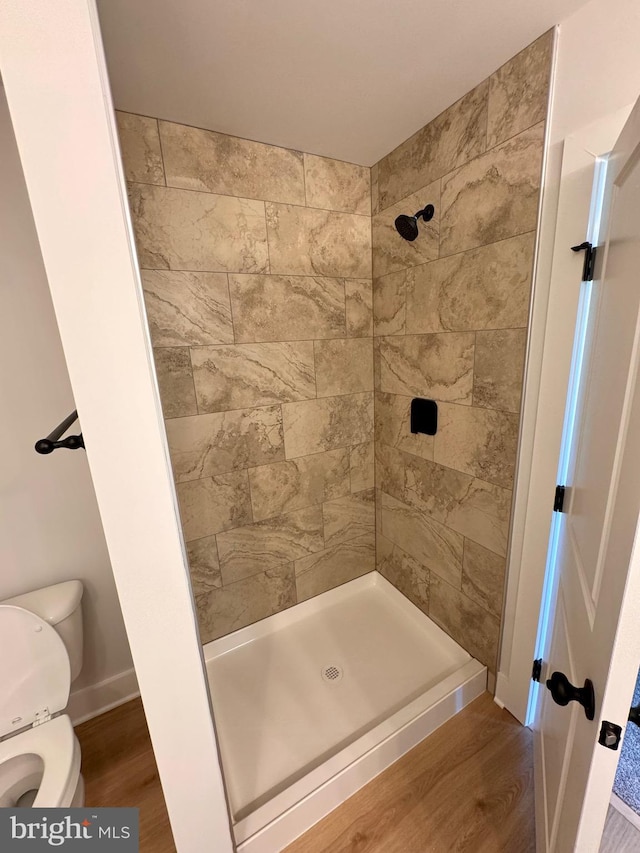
(95, 699)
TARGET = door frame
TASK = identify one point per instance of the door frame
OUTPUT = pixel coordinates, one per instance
(55, 77)
(547, 374)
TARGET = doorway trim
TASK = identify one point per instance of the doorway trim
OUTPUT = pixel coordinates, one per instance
(55, 77)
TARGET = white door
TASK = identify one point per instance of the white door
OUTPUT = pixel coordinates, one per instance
(594, 620)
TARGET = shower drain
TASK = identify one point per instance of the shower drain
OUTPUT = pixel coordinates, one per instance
(332, 673)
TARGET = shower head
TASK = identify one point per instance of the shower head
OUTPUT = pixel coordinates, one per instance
(407, 226)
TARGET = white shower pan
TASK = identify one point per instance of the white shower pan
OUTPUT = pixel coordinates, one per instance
(312, 703)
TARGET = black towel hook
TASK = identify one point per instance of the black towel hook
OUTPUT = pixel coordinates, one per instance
(53, 442)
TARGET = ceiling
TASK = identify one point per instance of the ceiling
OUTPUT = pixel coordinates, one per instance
(349, 79)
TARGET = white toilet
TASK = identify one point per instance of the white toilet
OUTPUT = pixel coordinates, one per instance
(40, 655)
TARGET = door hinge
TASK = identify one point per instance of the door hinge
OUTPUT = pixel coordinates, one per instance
(536, 672)
(610, 735)
(558, 501)
(589, 259)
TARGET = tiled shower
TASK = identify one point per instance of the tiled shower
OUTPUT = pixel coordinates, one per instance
(292, 326)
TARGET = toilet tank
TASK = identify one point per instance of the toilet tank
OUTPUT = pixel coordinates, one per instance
(59, 605)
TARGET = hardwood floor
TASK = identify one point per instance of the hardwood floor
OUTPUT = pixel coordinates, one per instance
(119, 769)
(468, 787)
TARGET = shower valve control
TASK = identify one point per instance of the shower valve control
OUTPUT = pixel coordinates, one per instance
(424, 416)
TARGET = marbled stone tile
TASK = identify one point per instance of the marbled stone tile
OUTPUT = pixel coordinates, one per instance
(451, 139)
(499, 369)
(204, 565)
(390, 303)
(481, 442)
(183, 230)
(350, 519)
(375, 193)
(287, 308)
(393, 426)
(483, 574)
(435, 366)
(476, 509)
(494, 196)
(214, 162)
(332, 567)
(432, 544)
(343, 366)
(306, 241)
(484, 288)
(245, 375)
(205, 445)
(264, 545)
(483, 514)
(175, 381)
(214, 504)
(519, 91)
(390, 251)
(336, 185)
(140, 148)
(469, 624)
(390, 470)
(362, 466)
(359, 307)
(405, 573)
(232, 607)
(286, 486)
(314, 426)
(187, 308)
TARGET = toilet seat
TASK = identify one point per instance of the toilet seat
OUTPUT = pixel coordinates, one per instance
(56, 745)
(37, 673)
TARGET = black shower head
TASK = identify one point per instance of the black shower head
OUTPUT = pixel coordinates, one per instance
(407, 226)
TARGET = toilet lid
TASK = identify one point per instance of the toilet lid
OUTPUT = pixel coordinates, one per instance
(35, 673)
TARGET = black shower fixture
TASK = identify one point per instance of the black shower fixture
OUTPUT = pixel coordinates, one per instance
(407, 226)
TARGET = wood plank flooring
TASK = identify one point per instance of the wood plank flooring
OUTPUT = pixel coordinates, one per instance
(119, 769)
(468, 787)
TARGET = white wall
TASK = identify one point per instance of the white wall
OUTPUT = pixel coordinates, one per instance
(597, 80)
(50, 529)
(55, 78)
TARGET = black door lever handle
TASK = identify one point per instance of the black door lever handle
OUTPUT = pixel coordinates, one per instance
(563, 692)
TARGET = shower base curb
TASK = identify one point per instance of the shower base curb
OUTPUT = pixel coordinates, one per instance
(277, 823)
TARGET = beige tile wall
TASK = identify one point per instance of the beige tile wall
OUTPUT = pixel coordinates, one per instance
(269, 340)
(256, 267)
(450, 318)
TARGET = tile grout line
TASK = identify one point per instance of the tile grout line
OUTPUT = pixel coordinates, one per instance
(462, 535)
(233, 322)
(456, 254)
(450, 172)
(180, 189)
(241, 138)
(164, 166)
(240, 274)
